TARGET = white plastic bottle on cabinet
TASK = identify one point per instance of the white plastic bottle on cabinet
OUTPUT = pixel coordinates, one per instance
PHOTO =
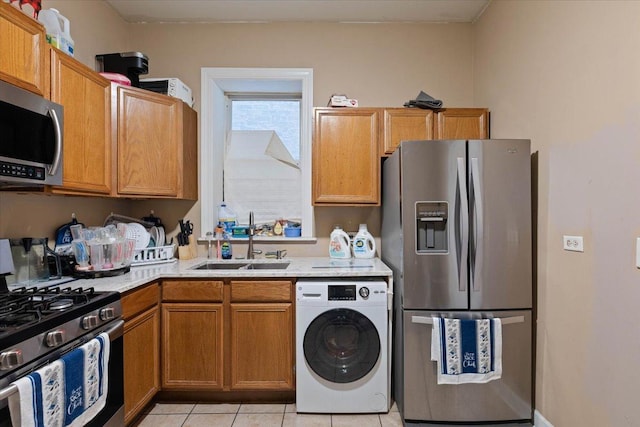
(57, 29)
(364, 245)
(339, 244)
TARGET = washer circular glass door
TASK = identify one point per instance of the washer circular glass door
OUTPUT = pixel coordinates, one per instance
(341, 345)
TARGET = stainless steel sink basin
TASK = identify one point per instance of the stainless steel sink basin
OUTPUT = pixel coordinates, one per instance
(241, 266)
(218, 266)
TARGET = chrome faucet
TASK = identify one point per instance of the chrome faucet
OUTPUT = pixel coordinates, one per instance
(252, 231)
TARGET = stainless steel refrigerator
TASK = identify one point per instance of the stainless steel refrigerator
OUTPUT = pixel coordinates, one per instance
(456, 231)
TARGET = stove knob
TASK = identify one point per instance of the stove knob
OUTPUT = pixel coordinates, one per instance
(107, 313)
(89, 322)
(364, 292)
(54, 338)
(10, 359)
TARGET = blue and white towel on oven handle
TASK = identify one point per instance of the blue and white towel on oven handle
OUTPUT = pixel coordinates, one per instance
(467, 351)
(70, 391)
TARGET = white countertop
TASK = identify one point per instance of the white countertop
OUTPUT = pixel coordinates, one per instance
(320, 267)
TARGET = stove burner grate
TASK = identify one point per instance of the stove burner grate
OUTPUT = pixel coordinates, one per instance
(25, 306)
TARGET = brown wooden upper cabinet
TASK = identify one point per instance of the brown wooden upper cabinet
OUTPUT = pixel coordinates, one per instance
(462, 123)
(86, 98)
(22, 50)
(405, 124)
(346, 164)
(156, 148)
(346, 143)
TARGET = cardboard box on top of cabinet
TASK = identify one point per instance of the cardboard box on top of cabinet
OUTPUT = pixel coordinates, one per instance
(342, 101)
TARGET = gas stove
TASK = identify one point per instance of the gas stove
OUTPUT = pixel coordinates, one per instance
(40, 325)
(40, 320)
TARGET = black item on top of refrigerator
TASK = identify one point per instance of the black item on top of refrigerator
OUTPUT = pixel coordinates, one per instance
(456, 231)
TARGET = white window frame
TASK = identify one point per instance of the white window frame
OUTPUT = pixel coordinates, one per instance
(213, 128)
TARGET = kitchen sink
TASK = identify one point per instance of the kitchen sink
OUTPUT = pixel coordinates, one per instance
(241, 266)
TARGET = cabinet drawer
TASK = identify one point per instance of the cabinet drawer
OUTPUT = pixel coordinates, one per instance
(192, 290)
(139, 300)
(261, 291)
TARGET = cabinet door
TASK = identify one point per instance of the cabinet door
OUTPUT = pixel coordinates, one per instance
(141, 361)
(86, 97)
(192, 346)
(149, 155)
(262, 346)
(405, 124)
(462, 123)
(22, 47)
(346, 166)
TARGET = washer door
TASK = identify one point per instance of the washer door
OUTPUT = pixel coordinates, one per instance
(341, 345)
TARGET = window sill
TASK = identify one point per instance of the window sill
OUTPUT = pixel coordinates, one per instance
(263, 240)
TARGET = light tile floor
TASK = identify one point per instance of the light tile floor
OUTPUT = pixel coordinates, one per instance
(253, 415)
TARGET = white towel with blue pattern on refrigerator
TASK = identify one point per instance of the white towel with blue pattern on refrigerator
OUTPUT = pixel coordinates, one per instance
(467, 350)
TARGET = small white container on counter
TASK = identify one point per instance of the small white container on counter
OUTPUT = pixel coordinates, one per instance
(339, 244)
(364, 245)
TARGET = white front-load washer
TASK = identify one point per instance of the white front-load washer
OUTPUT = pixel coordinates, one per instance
(342, 362)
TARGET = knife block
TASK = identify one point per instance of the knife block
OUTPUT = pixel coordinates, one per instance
(188, 251)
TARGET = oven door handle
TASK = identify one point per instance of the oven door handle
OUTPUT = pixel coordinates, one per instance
(114, 333)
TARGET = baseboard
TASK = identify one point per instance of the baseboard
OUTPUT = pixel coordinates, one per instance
(540, 421)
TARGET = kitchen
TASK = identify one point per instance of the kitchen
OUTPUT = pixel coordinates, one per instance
(511, 59)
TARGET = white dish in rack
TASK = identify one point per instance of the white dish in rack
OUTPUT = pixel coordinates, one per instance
(139, 234)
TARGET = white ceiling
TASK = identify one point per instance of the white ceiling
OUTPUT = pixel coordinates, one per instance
(189, 11)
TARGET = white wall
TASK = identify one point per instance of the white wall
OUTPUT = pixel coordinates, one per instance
(566, 74)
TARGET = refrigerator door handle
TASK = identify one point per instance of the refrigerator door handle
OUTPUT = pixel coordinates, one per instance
(504, 320)
(464, 226)
(477, 262)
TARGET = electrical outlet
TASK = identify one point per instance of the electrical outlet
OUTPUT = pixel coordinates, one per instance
(573, 243)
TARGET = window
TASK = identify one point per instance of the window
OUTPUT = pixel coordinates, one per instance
(261, 172)
(238, 105)
(269, 113)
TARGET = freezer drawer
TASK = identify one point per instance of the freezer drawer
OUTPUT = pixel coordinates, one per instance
(505, 399)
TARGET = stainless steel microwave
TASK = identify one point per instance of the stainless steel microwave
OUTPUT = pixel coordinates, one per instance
(30, 138)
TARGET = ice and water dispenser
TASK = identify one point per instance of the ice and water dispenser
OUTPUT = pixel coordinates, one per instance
(432, 227)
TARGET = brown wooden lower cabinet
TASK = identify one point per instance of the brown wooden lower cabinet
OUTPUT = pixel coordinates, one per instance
(192, 335)
(262, 346)
(141, 361)
(141, 312)
(223, 341)
(261, 335)
(192, 346)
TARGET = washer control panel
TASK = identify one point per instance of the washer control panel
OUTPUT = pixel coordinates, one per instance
(341, 292)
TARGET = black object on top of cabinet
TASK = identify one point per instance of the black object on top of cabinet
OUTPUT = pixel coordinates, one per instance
(131, 64)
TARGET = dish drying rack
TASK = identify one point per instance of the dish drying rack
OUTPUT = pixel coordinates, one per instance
(156, 255)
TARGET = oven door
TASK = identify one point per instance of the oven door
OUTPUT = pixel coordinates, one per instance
(112, 414)
(30, 138)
